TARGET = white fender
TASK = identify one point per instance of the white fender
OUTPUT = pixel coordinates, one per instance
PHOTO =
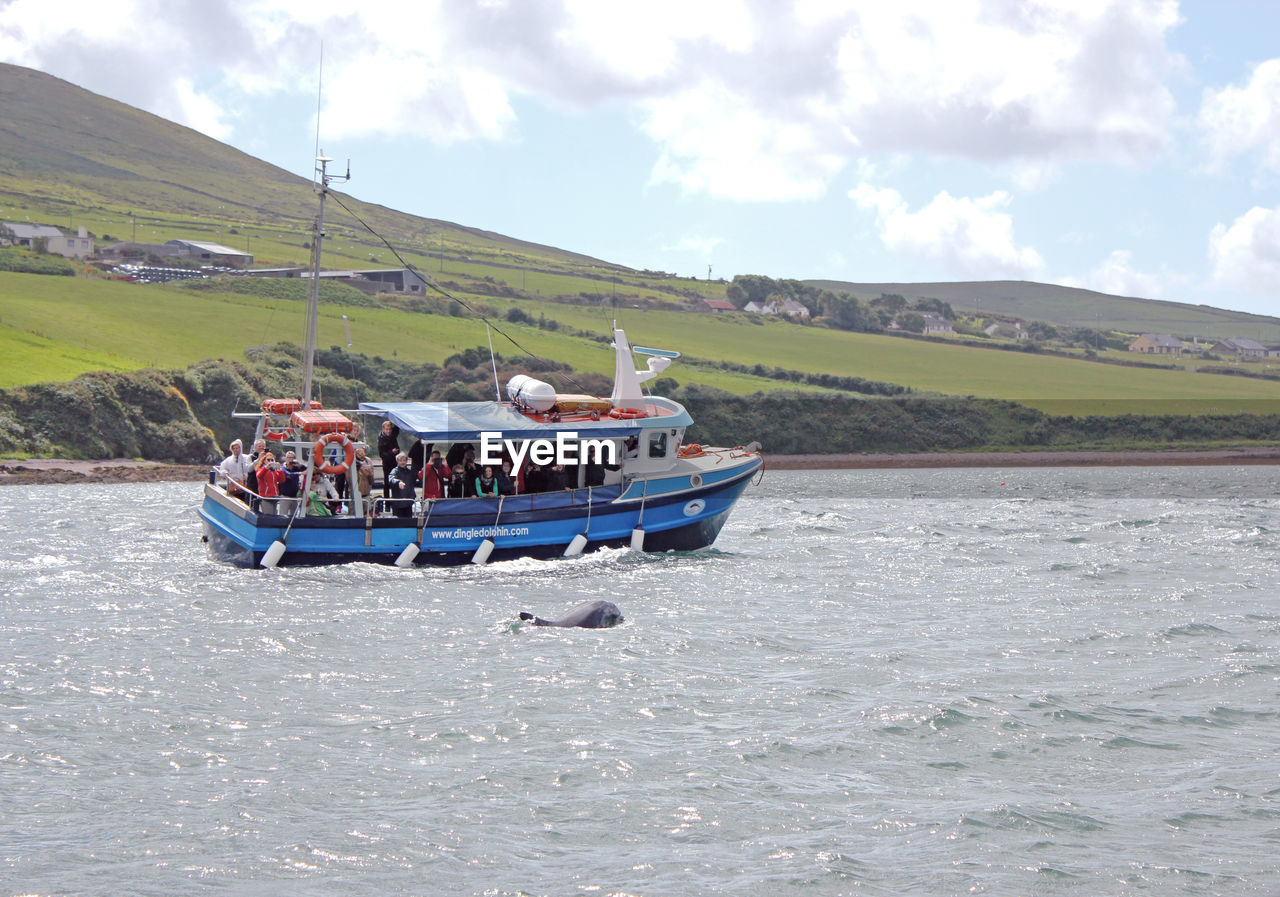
(272, 555)
(406, 557)
(637, 539)
(483, 552)
(574, 548)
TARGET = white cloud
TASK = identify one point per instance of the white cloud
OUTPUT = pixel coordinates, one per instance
(643, 42)
(742, 99)
(1247, 254)
(438, 103)
(699, 244)
(199, 110)
(969, 237)
(1244, 119)
(1045, 80)
(1117, 276)
(1033, 177)
(714, 142)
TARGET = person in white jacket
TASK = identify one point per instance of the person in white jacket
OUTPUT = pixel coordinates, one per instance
(235, 469)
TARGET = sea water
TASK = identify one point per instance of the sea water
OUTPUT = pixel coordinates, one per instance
(1031, 681)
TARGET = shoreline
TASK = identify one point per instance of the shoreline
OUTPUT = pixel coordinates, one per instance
(49, 471)
(1122, 458)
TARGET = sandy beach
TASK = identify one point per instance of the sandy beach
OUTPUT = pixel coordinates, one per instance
(40, 471)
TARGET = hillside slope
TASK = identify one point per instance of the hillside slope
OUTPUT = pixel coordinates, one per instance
(70, 155)
(1076, 307)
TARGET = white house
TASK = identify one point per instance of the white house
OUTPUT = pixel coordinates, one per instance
(793, 309)
(936, 323)
(55, 242)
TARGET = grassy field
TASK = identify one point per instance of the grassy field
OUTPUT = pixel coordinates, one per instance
(1077, 307)
(58, 327)
(124, 175)
(1053, 384)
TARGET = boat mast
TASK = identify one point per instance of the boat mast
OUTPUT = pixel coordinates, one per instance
(320, 183)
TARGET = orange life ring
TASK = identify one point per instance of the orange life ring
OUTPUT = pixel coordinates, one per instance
(276, 435)
(627, 413)
(317, 451)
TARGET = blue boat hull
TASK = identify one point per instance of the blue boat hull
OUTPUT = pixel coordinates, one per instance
(675, 514)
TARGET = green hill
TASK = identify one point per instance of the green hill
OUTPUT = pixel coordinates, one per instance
(70, 157)
(1076, 307)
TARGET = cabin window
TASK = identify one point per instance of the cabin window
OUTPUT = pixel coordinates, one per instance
(658, 445)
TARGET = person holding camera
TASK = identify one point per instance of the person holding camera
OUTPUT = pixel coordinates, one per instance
(270, 476)
(435, 475)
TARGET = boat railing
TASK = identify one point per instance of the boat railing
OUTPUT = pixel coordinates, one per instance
(422, 508)
(244, 490)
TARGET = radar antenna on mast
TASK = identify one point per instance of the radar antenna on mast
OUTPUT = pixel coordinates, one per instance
(322, 181)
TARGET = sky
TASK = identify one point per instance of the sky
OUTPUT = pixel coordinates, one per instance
(1131, 147)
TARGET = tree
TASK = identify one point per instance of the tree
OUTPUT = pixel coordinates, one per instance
(1042, 330)
(890, 302)
(844, 312)
(934, 306)
(750, 288)
(911, 321)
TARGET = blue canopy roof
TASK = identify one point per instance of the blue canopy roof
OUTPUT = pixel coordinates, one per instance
(455, 421)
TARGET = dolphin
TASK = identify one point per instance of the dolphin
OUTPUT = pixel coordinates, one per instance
(592, 615)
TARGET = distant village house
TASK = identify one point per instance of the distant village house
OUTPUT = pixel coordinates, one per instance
(370, 280)
(1157, 344)
(1244, 348)
(936, 324)
(51, 239)
(714, 306)
(1006, 330)
(210, 253)
(789, 307)
(214, 254)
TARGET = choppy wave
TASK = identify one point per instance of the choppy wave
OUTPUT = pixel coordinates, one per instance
(877, 682)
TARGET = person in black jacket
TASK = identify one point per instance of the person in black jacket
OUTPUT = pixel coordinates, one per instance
(294, 471)
(506, 480)
(455, 487)
(388, 448)
(535, 479)
(401, 481)
(418, 453)
(555, 479)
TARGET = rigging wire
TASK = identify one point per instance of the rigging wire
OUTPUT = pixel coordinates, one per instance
(430, 281)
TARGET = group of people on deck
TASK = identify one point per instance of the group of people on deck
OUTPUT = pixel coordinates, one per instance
(272, 485)
(271, 481)
(457, 475)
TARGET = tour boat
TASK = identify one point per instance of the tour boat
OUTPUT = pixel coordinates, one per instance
(639, 486)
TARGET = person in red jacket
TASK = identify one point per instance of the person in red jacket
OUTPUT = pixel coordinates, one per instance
(434, 477)
(270, 476)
